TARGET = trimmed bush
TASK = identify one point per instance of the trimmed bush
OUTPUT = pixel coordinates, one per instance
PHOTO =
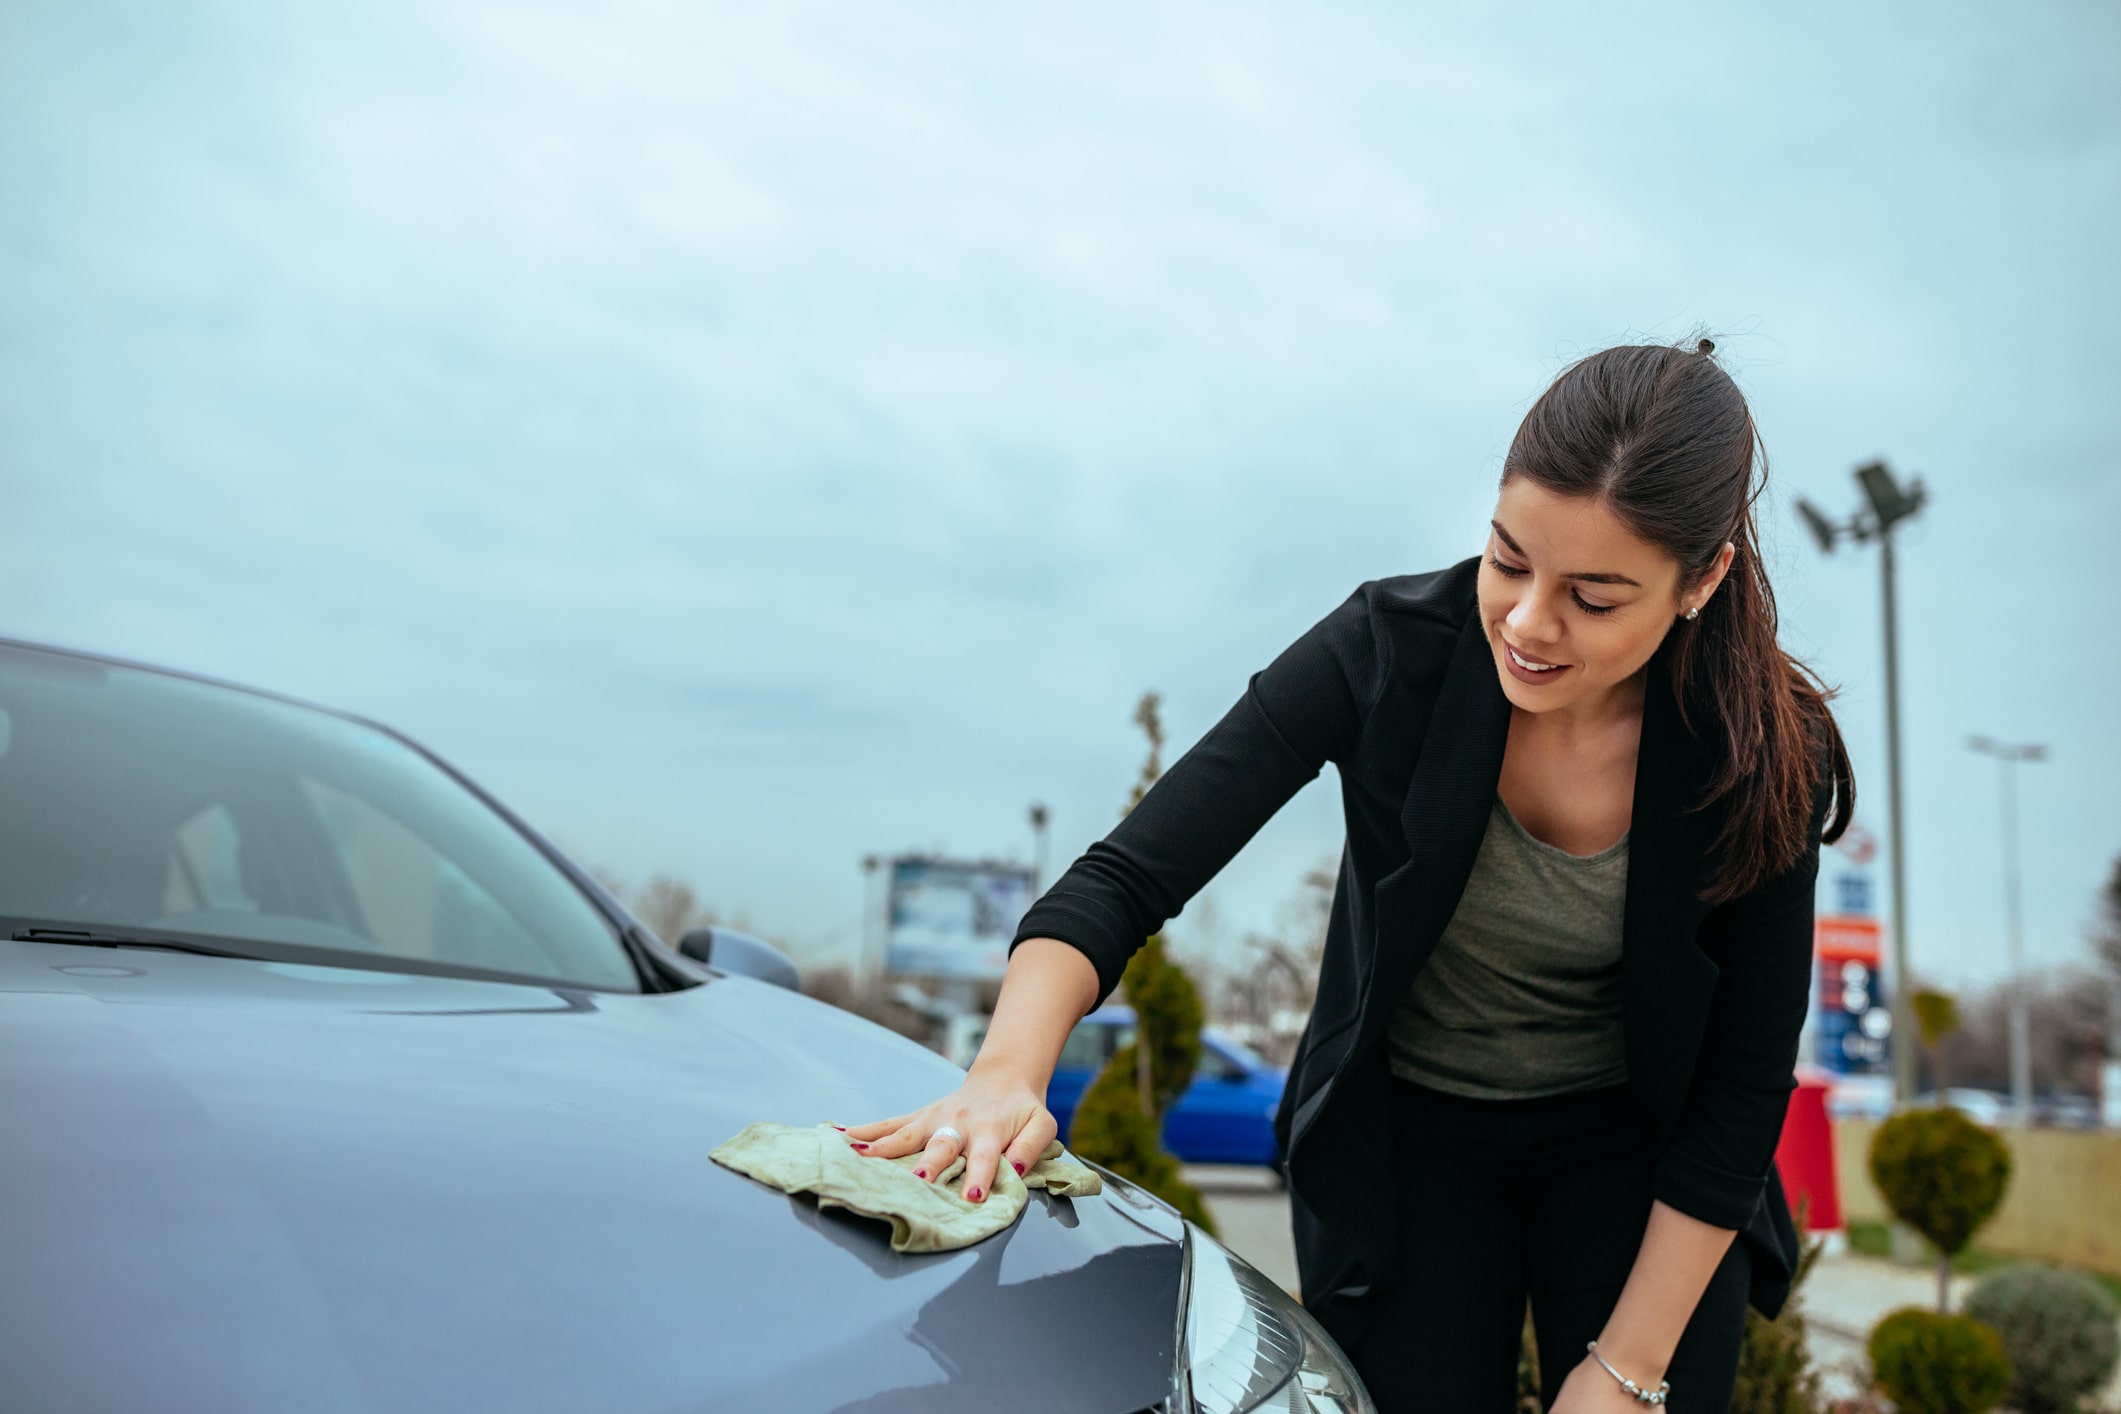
(2057, 1328)
(1775, 1372)
(1120, 1119)
(1931, 1363)
(1941, 1174)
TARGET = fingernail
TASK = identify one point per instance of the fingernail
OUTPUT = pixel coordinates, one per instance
(974, 1194)
(1018, 1167)
(841, 1128)
(860, 1145)
(920, 1173)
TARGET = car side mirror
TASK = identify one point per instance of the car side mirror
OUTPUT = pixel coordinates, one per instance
(740, 954)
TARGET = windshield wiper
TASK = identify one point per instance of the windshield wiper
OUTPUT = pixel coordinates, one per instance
(97, 939)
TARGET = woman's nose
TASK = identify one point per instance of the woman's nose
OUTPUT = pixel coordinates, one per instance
(1532, 618)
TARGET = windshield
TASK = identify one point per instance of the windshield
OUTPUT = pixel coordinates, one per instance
(131, 798)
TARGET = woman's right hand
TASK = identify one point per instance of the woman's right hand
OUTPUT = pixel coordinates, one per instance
(1001, 1108)
(1003, 1120)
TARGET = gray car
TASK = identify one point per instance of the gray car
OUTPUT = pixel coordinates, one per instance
(330, 1086)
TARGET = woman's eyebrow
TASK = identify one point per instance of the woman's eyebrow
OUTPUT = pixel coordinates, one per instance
(1587, 576)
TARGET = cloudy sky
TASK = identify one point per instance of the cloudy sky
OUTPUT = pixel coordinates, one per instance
(749, 437)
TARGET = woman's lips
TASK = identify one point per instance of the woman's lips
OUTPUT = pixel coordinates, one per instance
(1516, 661)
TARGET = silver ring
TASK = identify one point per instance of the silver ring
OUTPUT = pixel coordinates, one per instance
(949, 1130)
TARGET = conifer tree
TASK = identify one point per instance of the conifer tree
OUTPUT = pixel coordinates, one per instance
(1119, 1121)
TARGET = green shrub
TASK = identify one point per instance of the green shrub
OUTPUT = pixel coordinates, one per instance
(1110, 1128)
(1527, 1369)
(1941, 1174)
(1775, 1373)
(1168, 1013)
(1119, 1120)
(2057, 1328)
(1931, 1363)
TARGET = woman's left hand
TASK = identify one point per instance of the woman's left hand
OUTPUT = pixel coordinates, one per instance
(1590, 1390)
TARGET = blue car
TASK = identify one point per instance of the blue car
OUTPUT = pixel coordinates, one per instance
(1226, 1115)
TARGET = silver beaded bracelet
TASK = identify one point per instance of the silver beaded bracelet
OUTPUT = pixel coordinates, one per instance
(1642, 1396)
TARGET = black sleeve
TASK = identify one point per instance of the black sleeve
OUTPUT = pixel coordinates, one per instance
(1303, 710)
(1718, 1163)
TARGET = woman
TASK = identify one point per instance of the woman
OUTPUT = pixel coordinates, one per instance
(1570, 947)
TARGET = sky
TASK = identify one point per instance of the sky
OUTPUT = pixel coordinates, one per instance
(748, 438)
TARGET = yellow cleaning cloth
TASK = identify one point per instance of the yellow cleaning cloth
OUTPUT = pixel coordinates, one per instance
(924, 1216)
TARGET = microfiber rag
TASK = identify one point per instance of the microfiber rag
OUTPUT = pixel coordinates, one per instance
(924, 1216)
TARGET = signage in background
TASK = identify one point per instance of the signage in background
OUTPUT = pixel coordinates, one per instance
(1855, 1020)
(953, 919)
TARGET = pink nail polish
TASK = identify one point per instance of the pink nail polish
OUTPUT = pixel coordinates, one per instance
(973, 1194)
(1018, 1167)
(920, 1173)
(858, 1144)
(841, 1128)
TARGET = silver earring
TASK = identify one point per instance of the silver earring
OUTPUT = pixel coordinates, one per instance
(1694, 613)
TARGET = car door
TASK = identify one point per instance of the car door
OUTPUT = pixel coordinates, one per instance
(1224, 1117)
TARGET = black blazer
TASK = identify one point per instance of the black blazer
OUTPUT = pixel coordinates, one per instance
(1398, 689)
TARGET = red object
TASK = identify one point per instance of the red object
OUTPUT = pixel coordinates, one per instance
(1805, 1156)
(1843, 937)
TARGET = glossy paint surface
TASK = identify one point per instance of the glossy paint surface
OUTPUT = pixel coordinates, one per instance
(234, 1186)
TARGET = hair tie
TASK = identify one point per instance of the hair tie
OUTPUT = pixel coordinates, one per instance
(1705, 347)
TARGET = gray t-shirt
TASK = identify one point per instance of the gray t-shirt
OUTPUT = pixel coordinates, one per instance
(1522, 995)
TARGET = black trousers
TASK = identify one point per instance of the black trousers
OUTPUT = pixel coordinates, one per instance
(1504, 1201)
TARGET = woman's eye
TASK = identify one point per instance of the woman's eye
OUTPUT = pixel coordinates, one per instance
(1590, 608)
(1511, 570)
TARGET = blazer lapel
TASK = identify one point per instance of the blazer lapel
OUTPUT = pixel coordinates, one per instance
(1667, 981)
(1443, 818)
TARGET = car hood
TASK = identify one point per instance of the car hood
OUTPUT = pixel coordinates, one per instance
(231, 1185)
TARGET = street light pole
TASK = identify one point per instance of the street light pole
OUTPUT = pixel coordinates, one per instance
(1039, 817)
(1887, 504)
(2007, 758)
(1903, 986)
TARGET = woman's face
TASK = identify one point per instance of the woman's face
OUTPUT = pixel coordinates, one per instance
(1574, 602)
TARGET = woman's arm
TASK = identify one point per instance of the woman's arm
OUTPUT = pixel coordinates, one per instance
(1708, 1183)
(1304, 709)
(1718, 1161)
(1672, 1268)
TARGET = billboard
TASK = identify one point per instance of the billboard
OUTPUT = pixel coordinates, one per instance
(952, 919)
(1855, 1020)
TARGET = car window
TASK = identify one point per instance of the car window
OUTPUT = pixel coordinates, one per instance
(130, 797)
(205, 873)
(1214, 1065)
(1237, 1050)
(1085, 1048)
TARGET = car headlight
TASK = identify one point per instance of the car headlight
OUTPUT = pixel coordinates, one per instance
(1245, 1345)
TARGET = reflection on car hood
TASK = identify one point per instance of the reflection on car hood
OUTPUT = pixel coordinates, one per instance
(231, 1185)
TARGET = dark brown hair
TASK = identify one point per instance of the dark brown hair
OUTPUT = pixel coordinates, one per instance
(1662, 436)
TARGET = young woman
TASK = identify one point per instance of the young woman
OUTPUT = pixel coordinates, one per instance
(1570, 948)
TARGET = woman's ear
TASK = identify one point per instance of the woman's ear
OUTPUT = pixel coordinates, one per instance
(1705, 590)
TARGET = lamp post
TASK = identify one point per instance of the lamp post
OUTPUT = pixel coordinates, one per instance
(1039, 818)
(872, 954)
(1887, 503)
(2007, 758)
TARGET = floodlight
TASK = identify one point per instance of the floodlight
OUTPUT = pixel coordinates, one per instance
(1889, 502)
(1823, 530)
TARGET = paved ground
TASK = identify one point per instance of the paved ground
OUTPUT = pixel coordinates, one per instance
(1846, 1296)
